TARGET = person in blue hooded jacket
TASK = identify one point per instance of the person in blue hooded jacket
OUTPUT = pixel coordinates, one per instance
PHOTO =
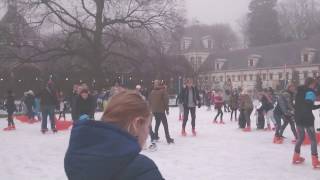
(110, 149)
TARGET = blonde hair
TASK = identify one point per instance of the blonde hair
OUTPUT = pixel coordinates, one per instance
(124, 107)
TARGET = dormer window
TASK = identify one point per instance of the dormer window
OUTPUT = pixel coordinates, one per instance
(220, 63)
(207, 42)
(308, 55)
(253, 60)
(186, 43)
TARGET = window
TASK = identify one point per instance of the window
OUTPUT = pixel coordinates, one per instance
(239, 77)
(233, 78)
(305, 74)
(305, 57)
(251, 77)
(221, 78)
(287, 76)
(315, 74)
(280, 76)
(245, 77)
(264, 77)
(251, 63)
(210, 44)
(218, 66)
(270, 76)
(213, 78)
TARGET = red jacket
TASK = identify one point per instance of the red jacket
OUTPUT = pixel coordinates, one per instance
(218, 101)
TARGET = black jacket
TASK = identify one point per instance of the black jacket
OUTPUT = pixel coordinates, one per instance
(304, 107)
(29, 101)
(84, 106)
(48, 98)
(185, 96)
(266, 104)
(101, 151)
(10, 105)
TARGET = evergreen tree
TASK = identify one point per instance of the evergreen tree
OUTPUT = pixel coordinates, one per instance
(263, 24)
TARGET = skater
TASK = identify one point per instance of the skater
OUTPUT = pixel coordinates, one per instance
(29, 101)
(208, 96)
(85, 104)
(234, 105)
(48, 102)
(190, 97)
(37, 110)
(111, 147)
(267, 106)
(285, 110)
(218, 102)
(11, 108)
(260, 114)
(159, 102)
(304, 104)
(62, 106)
(179, 101)
(246, 108)
(75, 94)
(226, 102)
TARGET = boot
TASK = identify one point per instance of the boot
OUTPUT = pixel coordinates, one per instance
(277, 140)
(214, 122)
(315, 162)
(183, 133)
(247, 129)
(54, 130)
(170, 141)
(221, 122)
(297, 159)
(7, 128)
(44, 131)
(194, 133)
(13, 127)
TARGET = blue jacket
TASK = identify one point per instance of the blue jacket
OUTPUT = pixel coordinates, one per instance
(101, 151)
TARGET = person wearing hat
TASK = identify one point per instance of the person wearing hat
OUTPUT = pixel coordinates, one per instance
(285, 110)
(85, 105)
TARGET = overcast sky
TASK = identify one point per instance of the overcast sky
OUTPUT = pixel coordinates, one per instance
(217, 11)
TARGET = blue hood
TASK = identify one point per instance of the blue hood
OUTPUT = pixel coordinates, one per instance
(99, 151)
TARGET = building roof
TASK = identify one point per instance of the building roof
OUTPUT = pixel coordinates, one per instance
(277, 55)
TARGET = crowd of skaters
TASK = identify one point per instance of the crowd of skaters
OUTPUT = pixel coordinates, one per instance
(126, 116)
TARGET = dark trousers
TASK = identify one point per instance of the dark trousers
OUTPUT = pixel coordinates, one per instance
(220, 113)
(288, 120)
(193, 117)
(312, 135)
(62, 114)
(48, 111)
(235, 113)
(277, 117)
(161, 118)
(30, 112)
(10, 119)
(247, 114)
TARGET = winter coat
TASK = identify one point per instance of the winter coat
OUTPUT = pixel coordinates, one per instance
(285, 104)
(304, 105)
(10, 105)
(267, 104)
(245, 102)
(234, 101)
(159, 100)
(29, 101)
(185, 96)
(218, 101)
(84, 107)
(48, 97)
(101, 151)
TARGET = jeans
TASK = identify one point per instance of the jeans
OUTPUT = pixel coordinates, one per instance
(30, 113)
(10, 119)
(277, 117)
(289, 120)
(220, 113)
(247, 114)
(48, 111)
(193, 117)
(312, 135)
(161, 118)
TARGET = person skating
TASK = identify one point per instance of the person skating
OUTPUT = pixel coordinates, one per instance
(218, 102)
(11, 108)
(74, 96)
(285, 110)
(234, 105)
(110, 149)
(179, 102)
(48, 103)
(246, 108)
(62, 106)
(190, 97)
(159, 102)
(267, 106)
(30, 102)
(304, 105)
(85, 104)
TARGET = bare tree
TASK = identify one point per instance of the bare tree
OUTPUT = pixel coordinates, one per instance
(299, 18)
(96, 31)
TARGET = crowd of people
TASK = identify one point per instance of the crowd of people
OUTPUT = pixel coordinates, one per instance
(127, 115)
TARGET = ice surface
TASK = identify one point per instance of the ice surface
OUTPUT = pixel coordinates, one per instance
(219, 152)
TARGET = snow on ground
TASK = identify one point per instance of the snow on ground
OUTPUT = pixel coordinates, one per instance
(220, 152)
